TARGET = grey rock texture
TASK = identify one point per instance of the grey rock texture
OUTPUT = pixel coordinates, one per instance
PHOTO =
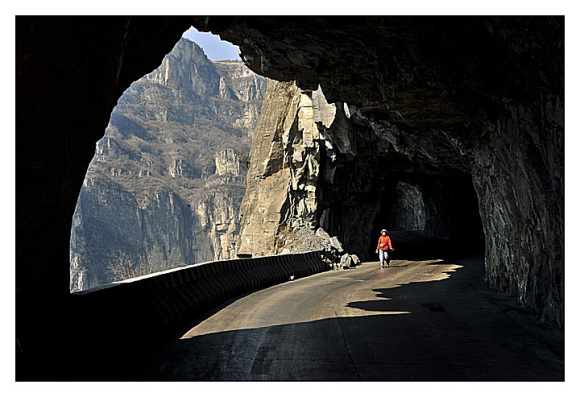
(475, 96)
(166, 182)
(323, 160)
(479, 65)
(278, 213)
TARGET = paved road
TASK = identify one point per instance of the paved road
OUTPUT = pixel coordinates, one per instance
(417, 320)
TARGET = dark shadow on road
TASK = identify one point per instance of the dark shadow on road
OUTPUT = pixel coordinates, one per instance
(454, 329)
(398, 299)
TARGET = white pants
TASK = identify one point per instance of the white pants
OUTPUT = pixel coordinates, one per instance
(384, 256)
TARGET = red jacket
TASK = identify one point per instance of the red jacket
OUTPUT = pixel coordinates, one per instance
(384, 243)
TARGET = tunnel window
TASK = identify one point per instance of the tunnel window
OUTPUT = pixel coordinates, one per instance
(167, 179)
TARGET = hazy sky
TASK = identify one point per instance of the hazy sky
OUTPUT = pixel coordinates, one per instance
(214, 48)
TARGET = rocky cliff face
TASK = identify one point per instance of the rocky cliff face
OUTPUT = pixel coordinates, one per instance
(166, 182)
(323, 176)
(321, 170)
(458, 110)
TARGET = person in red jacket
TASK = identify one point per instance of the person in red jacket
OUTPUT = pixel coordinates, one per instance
(383, 248)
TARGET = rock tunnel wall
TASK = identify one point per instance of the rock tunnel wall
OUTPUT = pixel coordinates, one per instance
(486, 93)
(440, 95)
(319, 170)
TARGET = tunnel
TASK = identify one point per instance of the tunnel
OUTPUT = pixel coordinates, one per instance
(475, 104)
(442, 207)
(438, 206)
(445, 95)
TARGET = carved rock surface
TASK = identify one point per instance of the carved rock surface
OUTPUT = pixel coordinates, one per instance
(497, 81)
(326, 158)
(443, 96)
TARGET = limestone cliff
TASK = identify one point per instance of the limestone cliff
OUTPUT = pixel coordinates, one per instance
(166, 182)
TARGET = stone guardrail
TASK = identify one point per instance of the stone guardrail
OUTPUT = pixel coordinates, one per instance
(161, 300)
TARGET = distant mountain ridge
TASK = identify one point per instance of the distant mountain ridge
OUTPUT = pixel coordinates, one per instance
(166, 182)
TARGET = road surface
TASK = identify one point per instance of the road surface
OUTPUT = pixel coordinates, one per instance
(429, 319)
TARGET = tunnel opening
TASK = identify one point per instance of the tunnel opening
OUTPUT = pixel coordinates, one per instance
(429, 205)
(167, 178)
(429, 214)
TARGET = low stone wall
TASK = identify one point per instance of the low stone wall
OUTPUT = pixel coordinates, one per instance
(158, 301)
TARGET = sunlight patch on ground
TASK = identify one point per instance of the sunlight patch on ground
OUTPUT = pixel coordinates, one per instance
(366, 293)
(202, 329)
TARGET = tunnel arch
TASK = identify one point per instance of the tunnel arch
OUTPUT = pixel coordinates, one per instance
(482, 83)
(493, 84)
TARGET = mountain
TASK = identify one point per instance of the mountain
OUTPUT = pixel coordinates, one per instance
(166, 182)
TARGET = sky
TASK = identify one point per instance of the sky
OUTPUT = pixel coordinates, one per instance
(214, 48)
